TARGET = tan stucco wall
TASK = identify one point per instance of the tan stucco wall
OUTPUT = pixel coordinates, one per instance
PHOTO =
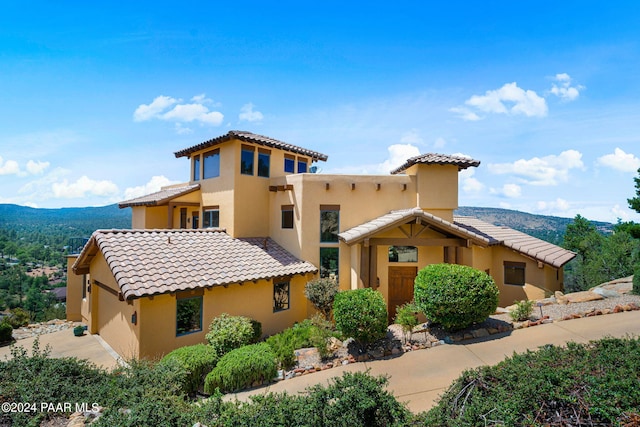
(539, 282)
(74, 292)
(157, 315)
(437, 188)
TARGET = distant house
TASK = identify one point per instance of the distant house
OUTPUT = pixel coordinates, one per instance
(60, 294)
(253, 225)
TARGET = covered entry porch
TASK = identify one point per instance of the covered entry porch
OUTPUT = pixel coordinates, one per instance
(388, 251)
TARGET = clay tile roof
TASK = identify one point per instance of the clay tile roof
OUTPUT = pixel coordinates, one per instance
(396, 218)
(149, 262)
(251, 138)
(530, 246)
(160, 197)
(437, 159)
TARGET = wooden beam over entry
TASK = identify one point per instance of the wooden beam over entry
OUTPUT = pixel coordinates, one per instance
(415, 241)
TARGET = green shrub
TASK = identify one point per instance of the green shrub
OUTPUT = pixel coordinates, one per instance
(455, 296)
(18, 317)
(321, 292)
(636, 280)
(361, 314)
(522, 310)
(308, 333)
(198, 360)
(242, 367)
(228, 332)
(596, 381)
(407, 317)
(6, 332)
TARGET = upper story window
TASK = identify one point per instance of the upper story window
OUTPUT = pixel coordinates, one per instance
(289, 163)
(329, 223)
(514, 273)
(211, 217)
(264, 159)
(287, 216)
(211, 165)
(196, 168)
(246, 160)
(302, 166)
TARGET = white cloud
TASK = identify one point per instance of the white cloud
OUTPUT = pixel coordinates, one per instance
(411, 137)
(9, 167)
(465, 114)
(619, 160)
(248, 115)
(509, 99)
(196, 111)
(398, 154)
(153, 110)
(83, 187)
(558, 205)
(564, 90)
(155, 184)
(545, 171)
(468, 182)
(36, 168)
(511, 191)
(182, 130)
(439, 143)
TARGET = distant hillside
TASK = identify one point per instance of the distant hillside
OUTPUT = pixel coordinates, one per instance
(549, 228)
(72, 221)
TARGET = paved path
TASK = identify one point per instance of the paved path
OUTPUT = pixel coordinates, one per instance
(65, 344)
(419, 377)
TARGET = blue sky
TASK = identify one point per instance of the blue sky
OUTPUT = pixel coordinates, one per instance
(95, 99)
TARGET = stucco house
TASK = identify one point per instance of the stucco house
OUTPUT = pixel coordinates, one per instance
(253, 224)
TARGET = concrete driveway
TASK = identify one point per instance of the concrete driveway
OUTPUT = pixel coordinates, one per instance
(65, 344)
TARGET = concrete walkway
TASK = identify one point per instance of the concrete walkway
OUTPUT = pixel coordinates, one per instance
(420, 377)
(65, 344)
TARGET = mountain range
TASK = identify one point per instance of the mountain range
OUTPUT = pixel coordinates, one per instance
(85, 220)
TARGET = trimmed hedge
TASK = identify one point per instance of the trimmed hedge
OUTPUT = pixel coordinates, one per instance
(322, 292)
(242, 367)
(361, 314)
(455, 296)
(228, 332)
(198, 360)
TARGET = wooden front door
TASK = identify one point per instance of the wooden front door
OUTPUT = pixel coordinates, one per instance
(400, 287)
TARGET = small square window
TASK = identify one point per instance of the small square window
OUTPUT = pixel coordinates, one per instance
(287, 216)
(280, 296)
(514, 273)
(289, 164)
(302, 166)
(211, 218)
(188, 315)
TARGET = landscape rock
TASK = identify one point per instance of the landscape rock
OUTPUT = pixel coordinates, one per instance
(584, 296)
(606, 293)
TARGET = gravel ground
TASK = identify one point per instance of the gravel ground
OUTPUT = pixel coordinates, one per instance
(556, 312)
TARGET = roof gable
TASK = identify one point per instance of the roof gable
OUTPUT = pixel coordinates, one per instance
(150, 262)
(523, 243)
(437, 159)
(396, 218)
(161, 197)
(251, 138)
